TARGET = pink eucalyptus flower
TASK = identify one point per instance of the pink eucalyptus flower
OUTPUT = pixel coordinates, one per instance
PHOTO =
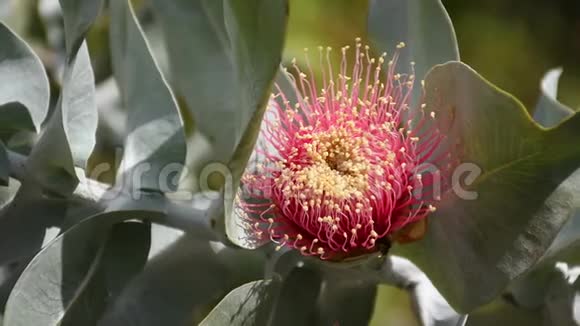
(343, 173)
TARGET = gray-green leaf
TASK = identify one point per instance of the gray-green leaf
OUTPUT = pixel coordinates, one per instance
(497, 234)
(69, 136)
(57, 277)
(155, 145)
(25, 91)
(78, 16)
(423, 25)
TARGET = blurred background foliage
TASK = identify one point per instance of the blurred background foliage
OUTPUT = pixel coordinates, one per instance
(510, 42)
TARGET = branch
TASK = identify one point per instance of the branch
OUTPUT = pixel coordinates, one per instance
(430, 307)
(195, 214)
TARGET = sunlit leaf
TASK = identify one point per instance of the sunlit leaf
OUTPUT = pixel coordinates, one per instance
(155, 144)
(25, 91)
(51, 290)
(69, 136)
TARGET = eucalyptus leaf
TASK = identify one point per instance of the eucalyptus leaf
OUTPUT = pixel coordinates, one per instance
(423, 25)
(155, 144)
(291, 301)
(23, 223)
(69, 136)
(57, 278)
(78, 16)
(496, 234)
(235, 46)
(530, 289)
(245, 305)
(25, 91)
(120, 257)
(181, 284)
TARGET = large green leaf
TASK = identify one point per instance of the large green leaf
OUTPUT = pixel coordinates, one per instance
(78, 16)
(181, 284)
(521, 202)
(71, 280)
(235, 49)
(69, 136)
(25, 91)
(423, 25)
(155, 145)
(531, 289)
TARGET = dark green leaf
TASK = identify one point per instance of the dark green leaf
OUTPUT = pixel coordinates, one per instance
(155, 145)
(25, 90)
(497, 234)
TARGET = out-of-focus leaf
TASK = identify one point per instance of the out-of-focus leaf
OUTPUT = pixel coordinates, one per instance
(502, 312)
(562, 301)
(69, 136)
(496, 233)
(423, 25)
(78, 16)
(155, 144)
(57, 277)
(4, 165)
(25, 91)
(181, 284)
(291, 301)
(558, 303)
(549, 112)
